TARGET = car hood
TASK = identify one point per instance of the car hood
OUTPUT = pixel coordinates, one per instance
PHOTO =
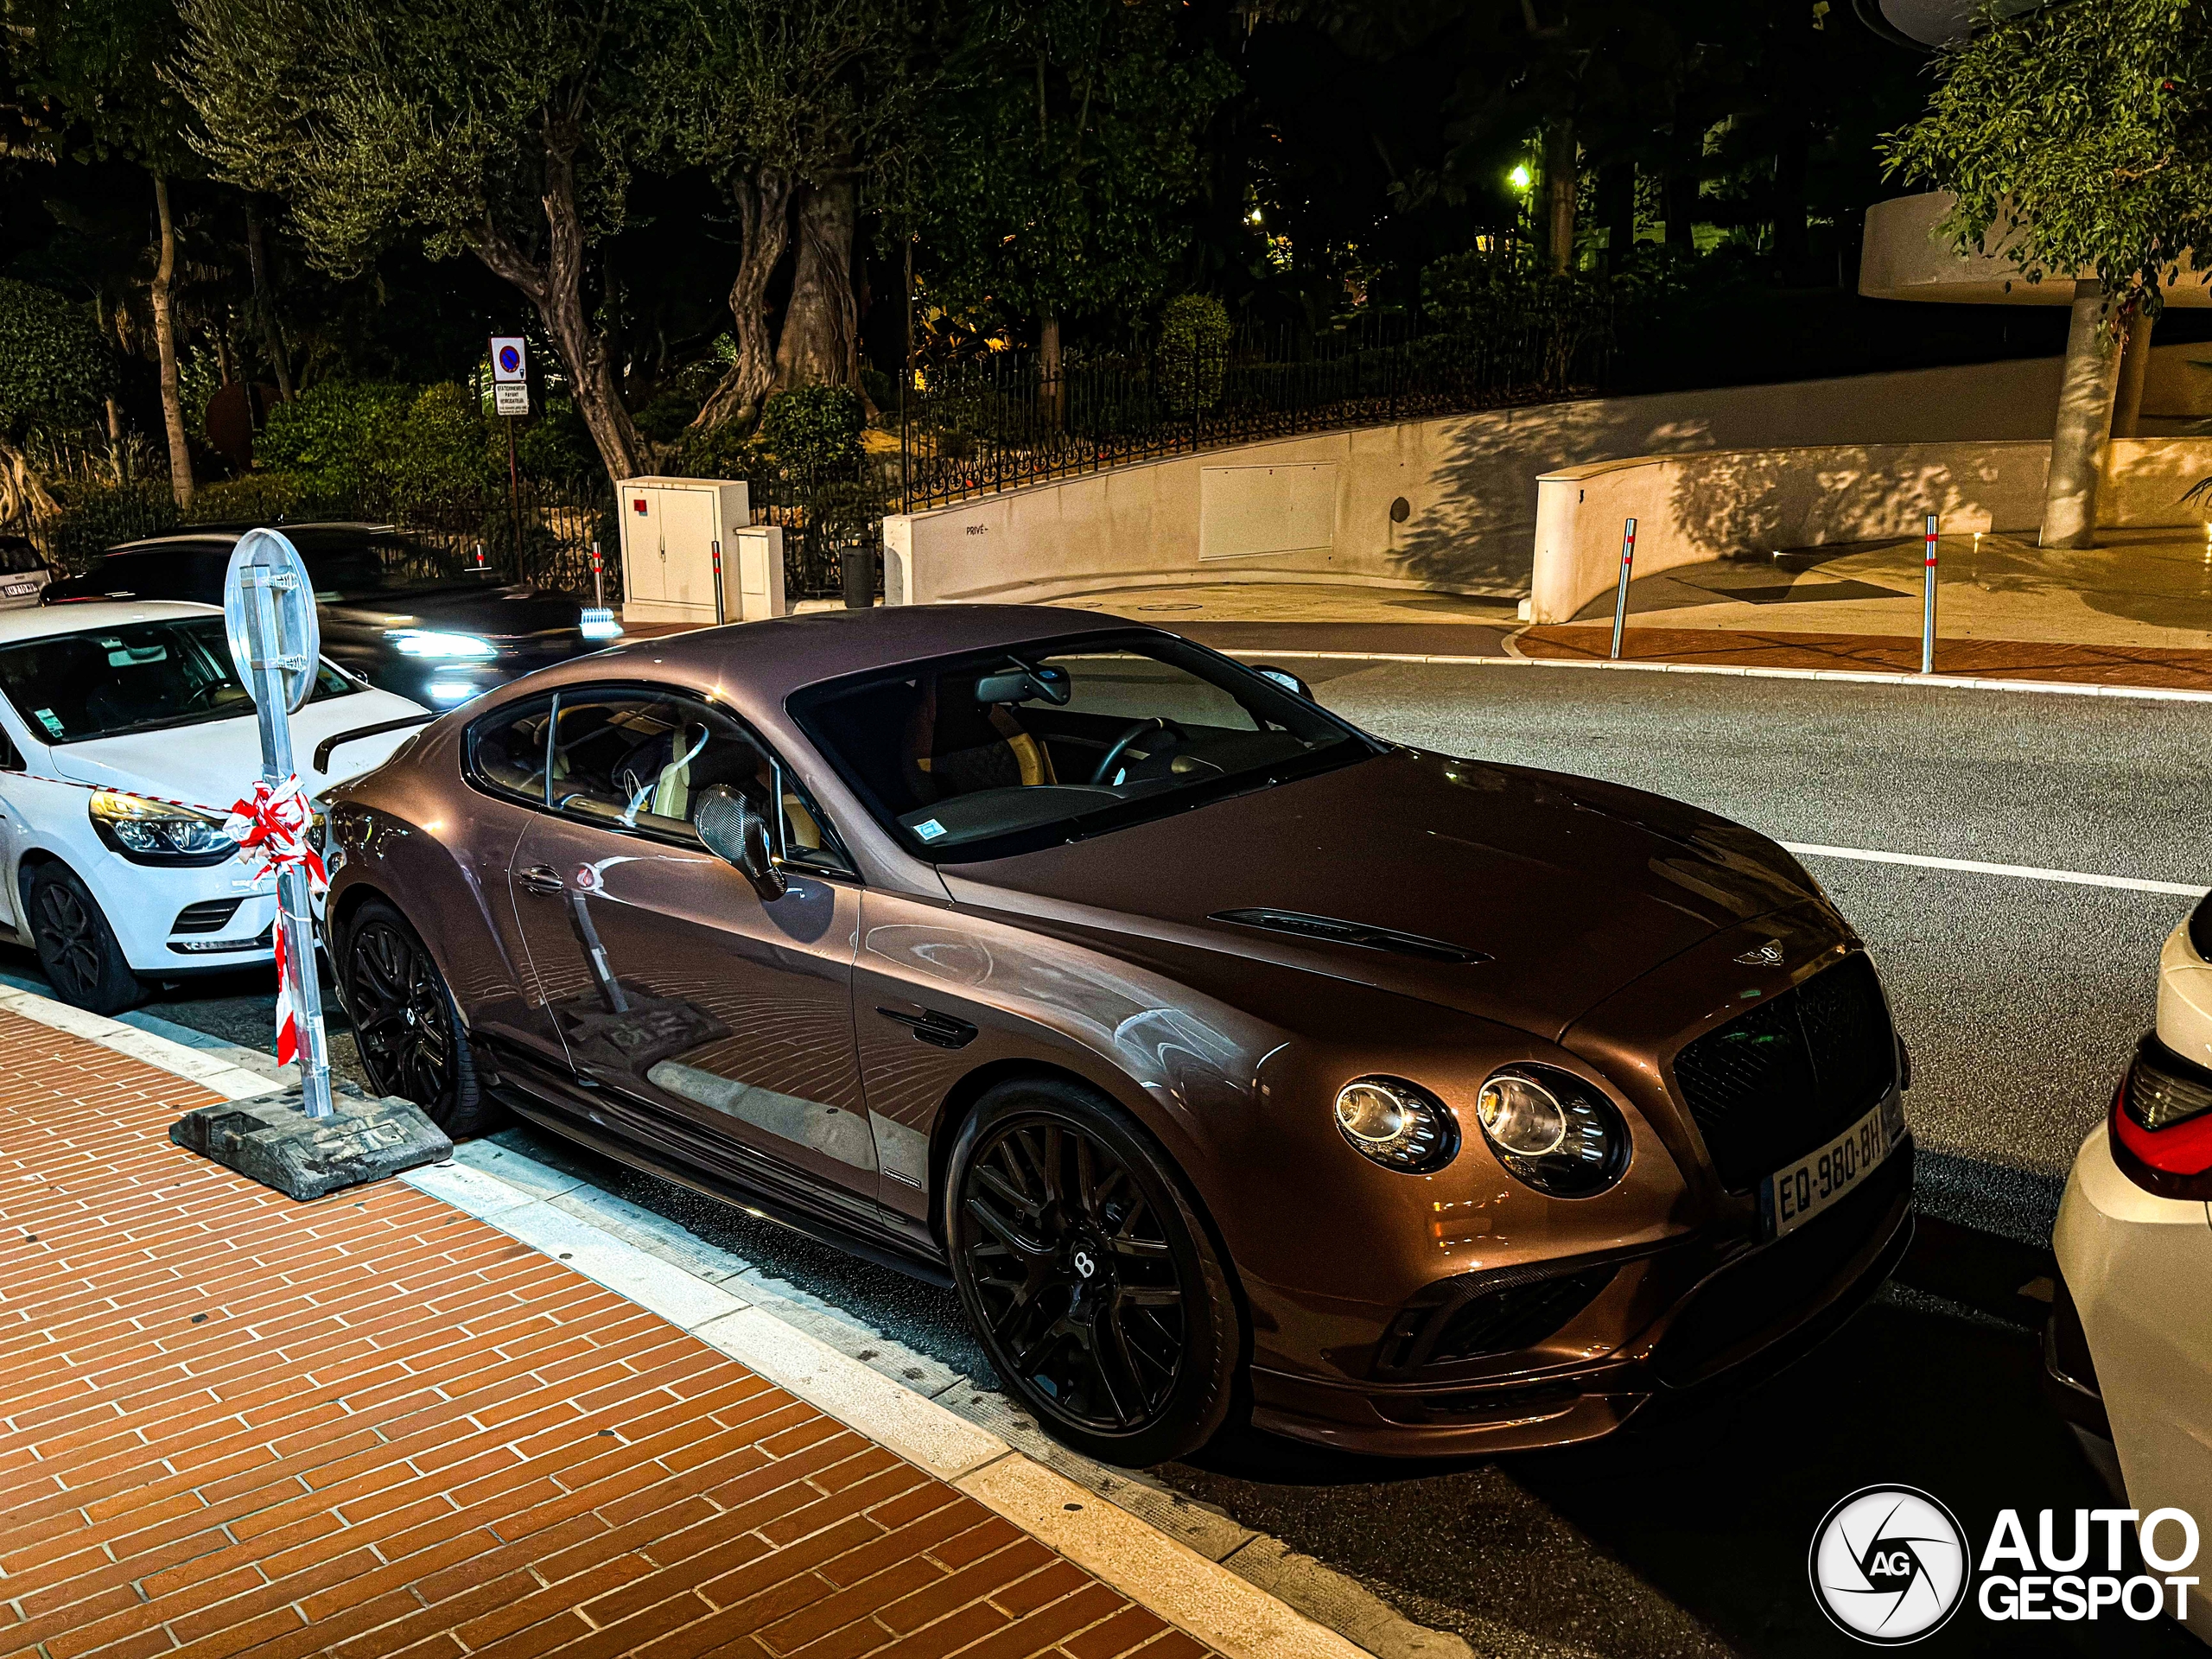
(497, 612)
(1569, 888)
(213, 764)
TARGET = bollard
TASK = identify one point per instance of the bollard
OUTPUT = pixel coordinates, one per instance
(718, 618)
(598, 579)
(1927, 604)
(1620, 600)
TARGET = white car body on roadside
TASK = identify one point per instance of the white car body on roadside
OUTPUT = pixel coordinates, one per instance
(2136, 1265)
(171, 916)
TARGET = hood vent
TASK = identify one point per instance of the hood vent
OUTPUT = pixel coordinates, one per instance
(1329, 929)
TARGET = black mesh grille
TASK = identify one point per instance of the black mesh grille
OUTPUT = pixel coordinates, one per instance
(1773, 1083)
(205, 917)
(1519, 1317)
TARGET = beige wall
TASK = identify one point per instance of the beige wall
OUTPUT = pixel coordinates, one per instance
(1469, 480)
(1692, 508)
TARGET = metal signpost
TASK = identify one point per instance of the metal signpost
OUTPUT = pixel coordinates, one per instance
(1620, 600)
(510, 397)
(1927, 605)
(276, 642)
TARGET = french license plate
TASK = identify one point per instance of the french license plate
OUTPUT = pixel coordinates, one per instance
(1795, 1193)
(19, 589)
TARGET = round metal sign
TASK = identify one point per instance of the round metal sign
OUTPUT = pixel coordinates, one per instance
(275, 569)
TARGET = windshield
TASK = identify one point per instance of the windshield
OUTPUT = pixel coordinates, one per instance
(140, 677)
(354, 567)
(983, 756)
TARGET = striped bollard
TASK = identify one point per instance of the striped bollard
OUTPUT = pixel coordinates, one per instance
(1620, 600)
(1927, 603)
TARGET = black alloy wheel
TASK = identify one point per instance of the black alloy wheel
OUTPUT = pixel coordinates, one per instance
(406, 1024)
(75, 945)
(1092, 1284)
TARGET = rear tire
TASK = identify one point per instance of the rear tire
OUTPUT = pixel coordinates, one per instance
(406, 1023)
(1088, 1275)
(76, 947)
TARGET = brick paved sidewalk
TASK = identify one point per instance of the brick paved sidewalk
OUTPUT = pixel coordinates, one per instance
(371, 1425)
(2010, 659)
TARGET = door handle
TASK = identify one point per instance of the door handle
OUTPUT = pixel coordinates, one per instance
(543, 878)
(940, 1030)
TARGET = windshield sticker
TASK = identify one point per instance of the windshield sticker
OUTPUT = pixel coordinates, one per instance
(929, 828)
(46, 719)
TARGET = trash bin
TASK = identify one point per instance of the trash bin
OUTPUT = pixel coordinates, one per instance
(858, 560)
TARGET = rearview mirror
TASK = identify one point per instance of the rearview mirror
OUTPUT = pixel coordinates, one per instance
(1285, 678)
(1025, 685)
(737, 834)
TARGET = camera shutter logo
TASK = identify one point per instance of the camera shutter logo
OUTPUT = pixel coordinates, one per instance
(1889, 1565)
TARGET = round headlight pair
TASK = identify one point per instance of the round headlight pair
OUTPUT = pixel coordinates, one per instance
(1552, 1131)
(1397, 1124)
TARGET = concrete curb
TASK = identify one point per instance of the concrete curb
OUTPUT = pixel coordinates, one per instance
(1175, 1557)
(1943, 682)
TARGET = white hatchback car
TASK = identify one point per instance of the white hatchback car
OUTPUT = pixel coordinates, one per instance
(128, 735)
(2128, 1349)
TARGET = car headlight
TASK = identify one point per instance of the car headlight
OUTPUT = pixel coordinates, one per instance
(1397, 1124)
(1552, 1131)
(441, 647)
(154, 832)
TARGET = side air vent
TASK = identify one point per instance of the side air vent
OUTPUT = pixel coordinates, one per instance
(205, 917)
(1331, 930)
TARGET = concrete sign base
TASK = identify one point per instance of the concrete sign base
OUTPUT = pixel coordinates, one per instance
(271, 1139)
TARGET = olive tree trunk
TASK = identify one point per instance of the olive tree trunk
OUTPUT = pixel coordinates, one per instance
(1560, 185)
(180, 483)
(2134, 369)
(820, 344)
(555, 287)
(763, 203)
(2086, 391)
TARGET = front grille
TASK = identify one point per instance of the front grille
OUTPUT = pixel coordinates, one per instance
(208, 916)
(1777, 1081)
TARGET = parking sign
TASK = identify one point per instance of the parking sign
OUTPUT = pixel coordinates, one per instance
(510, 362)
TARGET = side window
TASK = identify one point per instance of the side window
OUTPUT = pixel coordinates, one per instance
(637, 760)
(506, 751)
(12, 758)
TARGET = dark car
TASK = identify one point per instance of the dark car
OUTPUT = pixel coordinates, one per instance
(1219, 1053)
(405, 616)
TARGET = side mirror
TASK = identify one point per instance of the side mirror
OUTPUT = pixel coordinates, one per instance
(1285, 678)
(737, 835)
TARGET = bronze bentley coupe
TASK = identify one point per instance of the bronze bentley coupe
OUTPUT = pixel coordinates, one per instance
(1226, 1058)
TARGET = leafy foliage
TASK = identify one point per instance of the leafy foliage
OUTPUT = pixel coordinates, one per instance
(2077, 138)
(814, 428)
(377, 439)
(1194, 336)
(55, 365)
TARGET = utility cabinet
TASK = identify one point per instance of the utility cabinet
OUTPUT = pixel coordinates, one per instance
(670, 527)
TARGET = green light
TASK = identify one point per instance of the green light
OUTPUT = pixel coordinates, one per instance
(1519, 178)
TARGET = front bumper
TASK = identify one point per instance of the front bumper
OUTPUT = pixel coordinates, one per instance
(177, 922)
(1712, 1309)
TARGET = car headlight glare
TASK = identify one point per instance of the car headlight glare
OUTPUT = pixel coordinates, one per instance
(155, 832)
(1552, 1131)
(1521, 1116)
(441, 647)
(1397, 1124)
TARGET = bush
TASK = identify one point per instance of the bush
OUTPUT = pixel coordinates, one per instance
(377, 440)
(814, 428)
(1194, 335)
(55, 365)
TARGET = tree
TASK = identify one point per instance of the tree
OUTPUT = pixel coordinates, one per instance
(1061, 152)
(101, 72)
(795, 99)
(2077, 141)
(502, 129)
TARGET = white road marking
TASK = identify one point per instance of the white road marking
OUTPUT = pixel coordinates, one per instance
(2018, 872)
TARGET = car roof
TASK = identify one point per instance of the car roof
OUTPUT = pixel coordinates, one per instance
(763, 663)
(83, 616)
(213, 536)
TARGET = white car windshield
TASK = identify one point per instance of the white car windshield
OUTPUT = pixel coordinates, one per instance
(140, 677)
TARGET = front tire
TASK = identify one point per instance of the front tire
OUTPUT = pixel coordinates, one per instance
(75, 945)
(1088, 1275)
(406, 1023)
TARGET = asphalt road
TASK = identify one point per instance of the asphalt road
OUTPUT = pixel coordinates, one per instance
(2018, 998)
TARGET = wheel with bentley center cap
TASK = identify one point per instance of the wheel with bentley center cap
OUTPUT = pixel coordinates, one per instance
(405, 1022)
(1087, 1275)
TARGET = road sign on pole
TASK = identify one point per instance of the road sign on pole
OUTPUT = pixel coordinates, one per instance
(510, 360)
(276, 642)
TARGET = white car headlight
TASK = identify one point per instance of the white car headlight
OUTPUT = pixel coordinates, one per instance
(441, 647)
(1397, 1124)
(154, 832)
(1552, 1130)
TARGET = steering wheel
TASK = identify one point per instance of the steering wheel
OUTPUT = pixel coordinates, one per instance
(1131, 733)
